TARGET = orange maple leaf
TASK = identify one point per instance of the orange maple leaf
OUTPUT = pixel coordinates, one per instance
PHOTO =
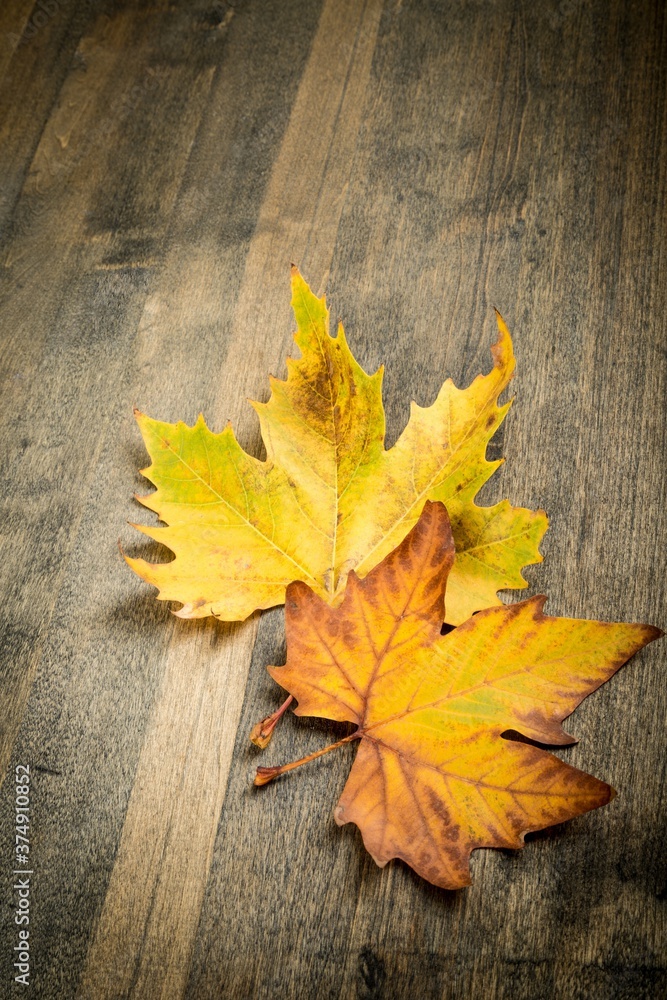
(433, 778)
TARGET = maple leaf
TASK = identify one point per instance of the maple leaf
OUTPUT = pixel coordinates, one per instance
(329, 498)
(433, 778)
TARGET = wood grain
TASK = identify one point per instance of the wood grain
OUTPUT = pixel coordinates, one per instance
(161, 167)
(139, 920)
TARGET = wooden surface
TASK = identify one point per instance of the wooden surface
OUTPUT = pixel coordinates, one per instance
(160, 166)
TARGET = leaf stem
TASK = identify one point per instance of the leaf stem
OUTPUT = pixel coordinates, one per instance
(261, 733)
(266, 774)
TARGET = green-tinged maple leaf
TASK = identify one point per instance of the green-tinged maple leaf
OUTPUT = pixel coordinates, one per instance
(433, 778)
(329, 498)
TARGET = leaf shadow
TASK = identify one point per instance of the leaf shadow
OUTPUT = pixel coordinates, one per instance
(372, 875)
(514, 736)
(137, 611)
(139, 547)
(137, 457)
(548, 833)
(144, 614)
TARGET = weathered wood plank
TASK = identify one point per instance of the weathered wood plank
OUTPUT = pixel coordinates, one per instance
(139, 920)
(73, 301)
(53, 354)
(37, 44)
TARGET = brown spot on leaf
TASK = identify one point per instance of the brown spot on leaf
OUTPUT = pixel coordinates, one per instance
(436, 805)
(425, 861)
(350, 638)
(405, 558)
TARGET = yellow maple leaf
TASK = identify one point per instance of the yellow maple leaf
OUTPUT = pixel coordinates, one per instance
(329, 498)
